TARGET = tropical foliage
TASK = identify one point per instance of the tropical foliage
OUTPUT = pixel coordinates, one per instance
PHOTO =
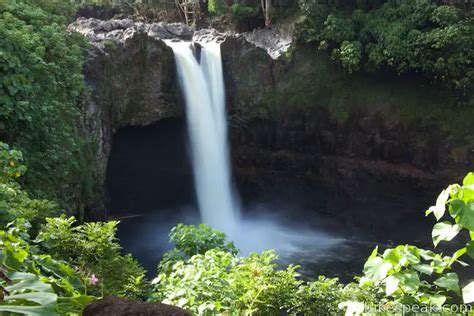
(41, 66)
(53, 263)
(205, 275)
(402, 36)
(94, 249)
(33, 282)
(413, 276)
(15, 202)
(56, 270)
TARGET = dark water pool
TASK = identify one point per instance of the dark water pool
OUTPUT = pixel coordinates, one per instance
(314, 243)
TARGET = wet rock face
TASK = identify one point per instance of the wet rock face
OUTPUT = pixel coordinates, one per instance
(367, 173)
(248, 74)
(130, 73)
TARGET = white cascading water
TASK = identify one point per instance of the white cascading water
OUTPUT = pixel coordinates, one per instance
(204, 91)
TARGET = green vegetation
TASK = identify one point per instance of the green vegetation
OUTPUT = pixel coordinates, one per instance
(52, 263)
(244, 12)
(402, 36)
(94, 248)
(33, 281)
(40, 85)
(204, 275)
(216, 7)
(409, 275)
(13, 198)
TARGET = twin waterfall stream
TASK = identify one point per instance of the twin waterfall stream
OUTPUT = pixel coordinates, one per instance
(202, 82)
(204, 91)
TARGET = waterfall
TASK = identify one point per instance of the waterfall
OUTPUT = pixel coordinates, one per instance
(204, 92)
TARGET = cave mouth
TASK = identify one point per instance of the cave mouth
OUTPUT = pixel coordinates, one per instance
(149, 169)
(150, 189)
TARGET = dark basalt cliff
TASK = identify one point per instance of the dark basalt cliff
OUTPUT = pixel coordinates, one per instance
(130, 73)
(296, 119)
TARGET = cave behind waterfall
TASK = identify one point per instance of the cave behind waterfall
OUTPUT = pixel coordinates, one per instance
(149, 169)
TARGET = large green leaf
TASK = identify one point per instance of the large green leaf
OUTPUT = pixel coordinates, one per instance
(455, 207)
(29, 310)
(377, 268)
(444, 231)
(424, 268)
(409, 281)
(470, 249)
(440, 208)
(448, 281)
(459, 253)
(469, 179)
(466, 216)
(427, 254)
(468, 293)
(41, 298)
(437, 299)
(410, 253)
(392, 256)
(27, 281)
(391, 285)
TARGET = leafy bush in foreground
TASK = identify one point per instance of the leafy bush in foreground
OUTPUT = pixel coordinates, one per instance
(49, 272)
(205, 276)
(15, 202)
(94, 248)
(410, 275)
(34, 283)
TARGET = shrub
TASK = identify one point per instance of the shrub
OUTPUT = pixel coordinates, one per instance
(205, 276)
(33, 283)
(190, 240)
(15, 202)
(409, 275)
(403, 36)
(218, 282)
(41, 83)
(94, 248)
(217, 7)
(244, 12)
